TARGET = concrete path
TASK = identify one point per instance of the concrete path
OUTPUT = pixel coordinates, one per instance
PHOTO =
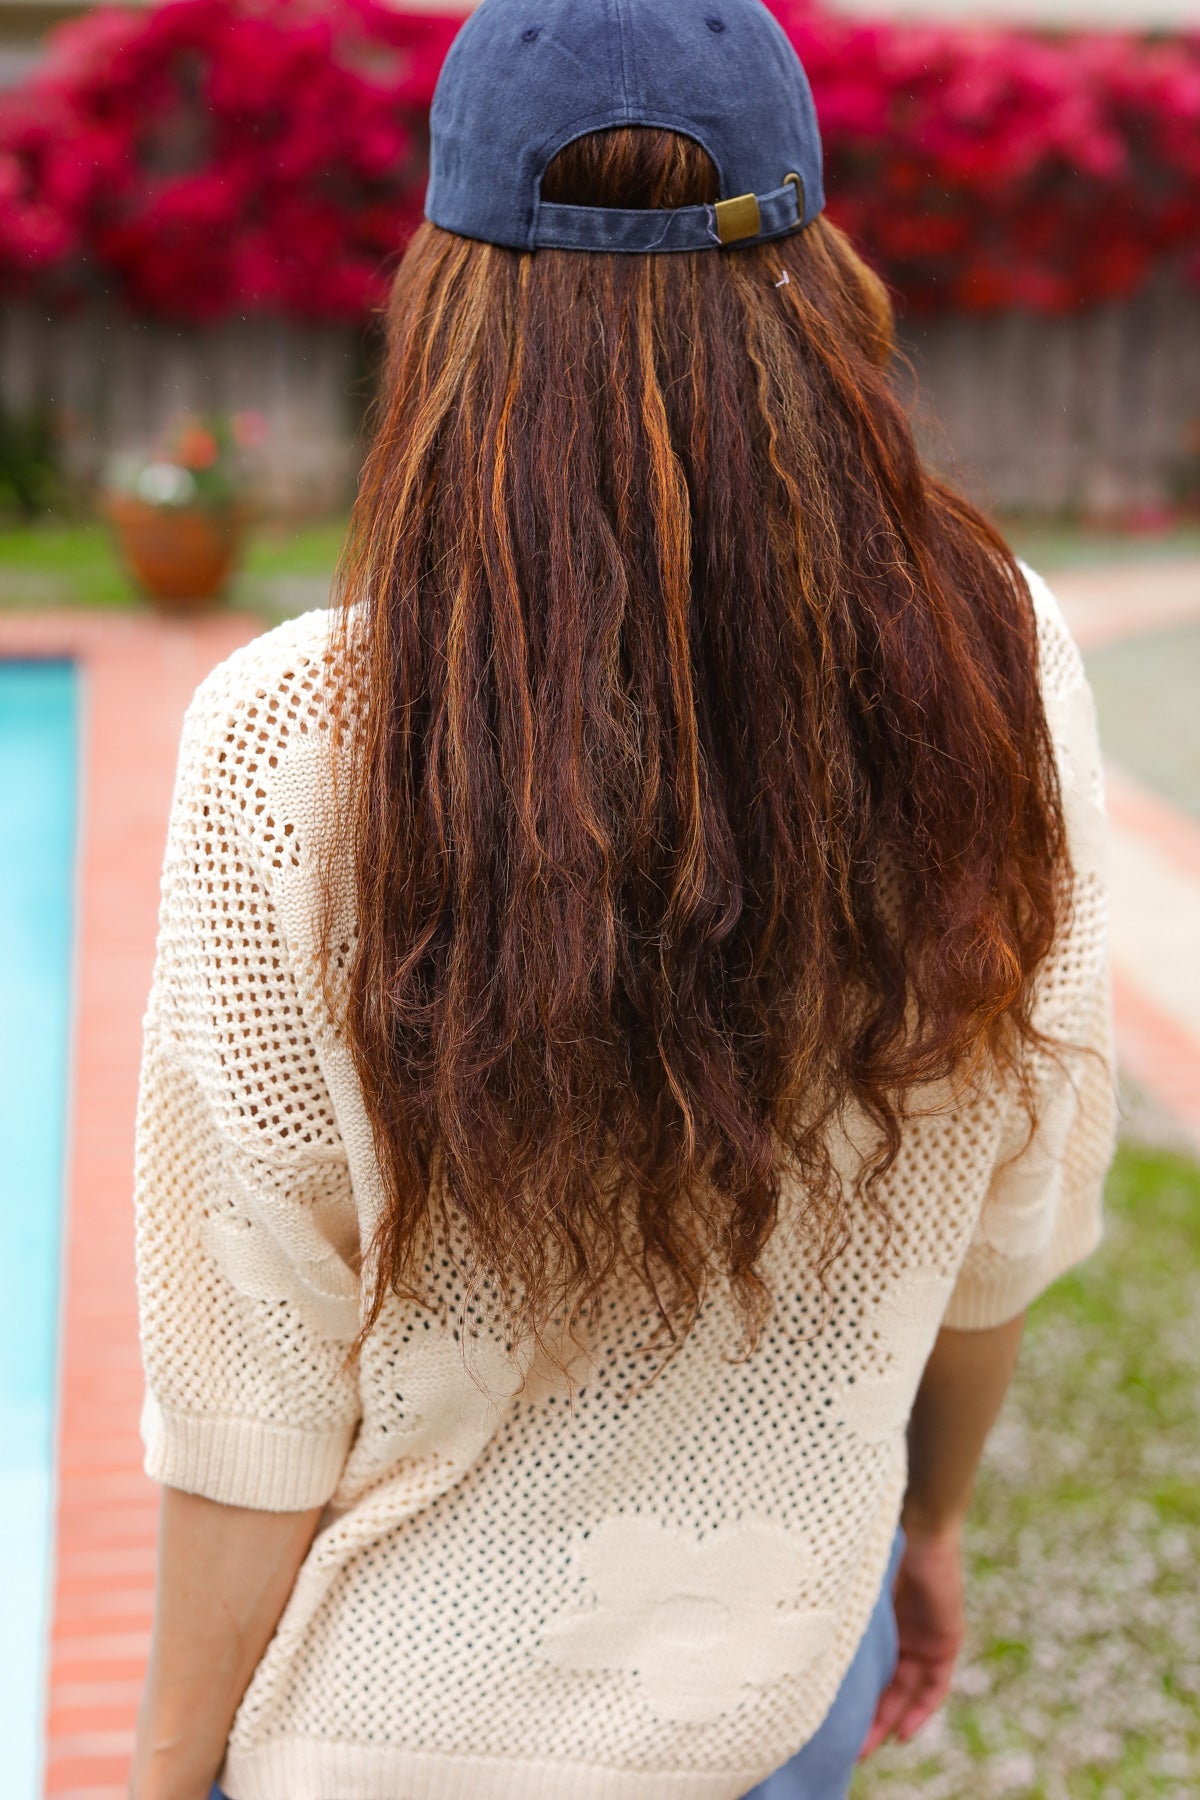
(1139, 627)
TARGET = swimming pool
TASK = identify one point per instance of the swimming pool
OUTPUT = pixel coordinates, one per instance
(38, 749)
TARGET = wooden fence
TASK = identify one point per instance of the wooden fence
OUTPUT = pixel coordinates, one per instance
(1097, 413)
(111, 382)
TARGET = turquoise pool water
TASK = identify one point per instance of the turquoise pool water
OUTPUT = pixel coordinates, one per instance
(37, 842)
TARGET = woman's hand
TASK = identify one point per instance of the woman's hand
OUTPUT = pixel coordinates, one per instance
(929, 1617)
(959, 1396)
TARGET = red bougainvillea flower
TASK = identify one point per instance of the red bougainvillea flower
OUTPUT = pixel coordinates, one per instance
(207, 157)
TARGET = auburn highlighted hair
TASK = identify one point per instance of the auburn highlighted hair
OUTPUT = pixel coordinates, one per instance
(701, 789)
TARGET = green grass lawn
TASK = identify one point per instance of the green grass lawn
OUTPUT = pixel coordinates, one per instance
(288, 566)
(1050, 544)
(74, 563)
(1081, 1679)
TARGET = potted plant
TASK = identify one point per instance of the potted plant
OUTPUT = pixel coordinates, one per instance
(180, 515)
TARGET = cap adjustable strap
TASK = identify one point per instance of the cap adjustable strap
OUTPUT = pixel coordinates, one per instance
(736, 221)
(740, 217)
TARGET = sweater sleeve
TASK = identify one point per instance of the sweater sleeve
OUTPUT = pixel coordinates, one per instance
(1042, 1210)
(247, 1243)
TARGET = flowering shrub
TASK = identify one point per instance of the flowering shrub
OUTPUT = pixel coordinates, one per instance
(218, 156)
(984, 169)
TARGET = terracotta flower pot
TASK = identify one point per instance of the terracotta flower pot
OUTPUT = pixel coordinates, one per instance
(181, 557)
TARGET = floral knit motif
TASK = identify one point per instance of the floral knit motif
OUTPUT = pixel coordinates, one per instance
(521, 1589)
(694, 1622)
(900, 1326)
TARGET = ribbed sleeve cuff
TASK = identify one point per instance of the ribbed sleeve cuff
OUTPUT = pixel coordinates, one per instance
(996, 1292)
(242, 1462)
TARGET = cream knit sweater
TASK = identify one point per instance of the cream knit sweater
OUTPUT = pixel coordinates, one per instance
(515, 1594)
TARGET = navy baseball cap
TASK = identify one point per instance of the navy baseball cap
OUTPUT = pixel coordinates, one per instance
(525, 77)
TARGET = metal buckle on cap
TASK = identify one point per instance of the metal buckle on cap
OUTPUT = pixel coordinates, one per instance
(738, 218)
(799, 187)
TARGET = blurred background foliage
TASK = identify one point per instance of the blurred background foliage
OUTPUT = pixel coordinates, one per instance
(216, 156)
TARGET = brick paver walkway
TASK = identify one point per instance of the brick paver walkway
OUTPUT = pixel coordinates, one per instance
(139, 674)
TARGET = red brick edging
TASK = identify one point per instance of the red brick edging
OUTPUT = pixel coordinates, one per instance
(1137, 809)
(1160, 1056)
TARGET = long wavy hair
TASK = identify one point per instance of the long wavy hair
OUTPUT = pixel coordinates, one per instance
(701, 790)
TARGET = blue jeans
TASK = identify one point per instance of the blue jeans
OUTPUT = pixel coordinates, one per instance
(823, 1769)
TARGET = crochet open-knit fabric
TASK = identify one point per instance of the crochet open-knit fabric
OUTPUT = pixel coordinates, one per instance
(525, 1586)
